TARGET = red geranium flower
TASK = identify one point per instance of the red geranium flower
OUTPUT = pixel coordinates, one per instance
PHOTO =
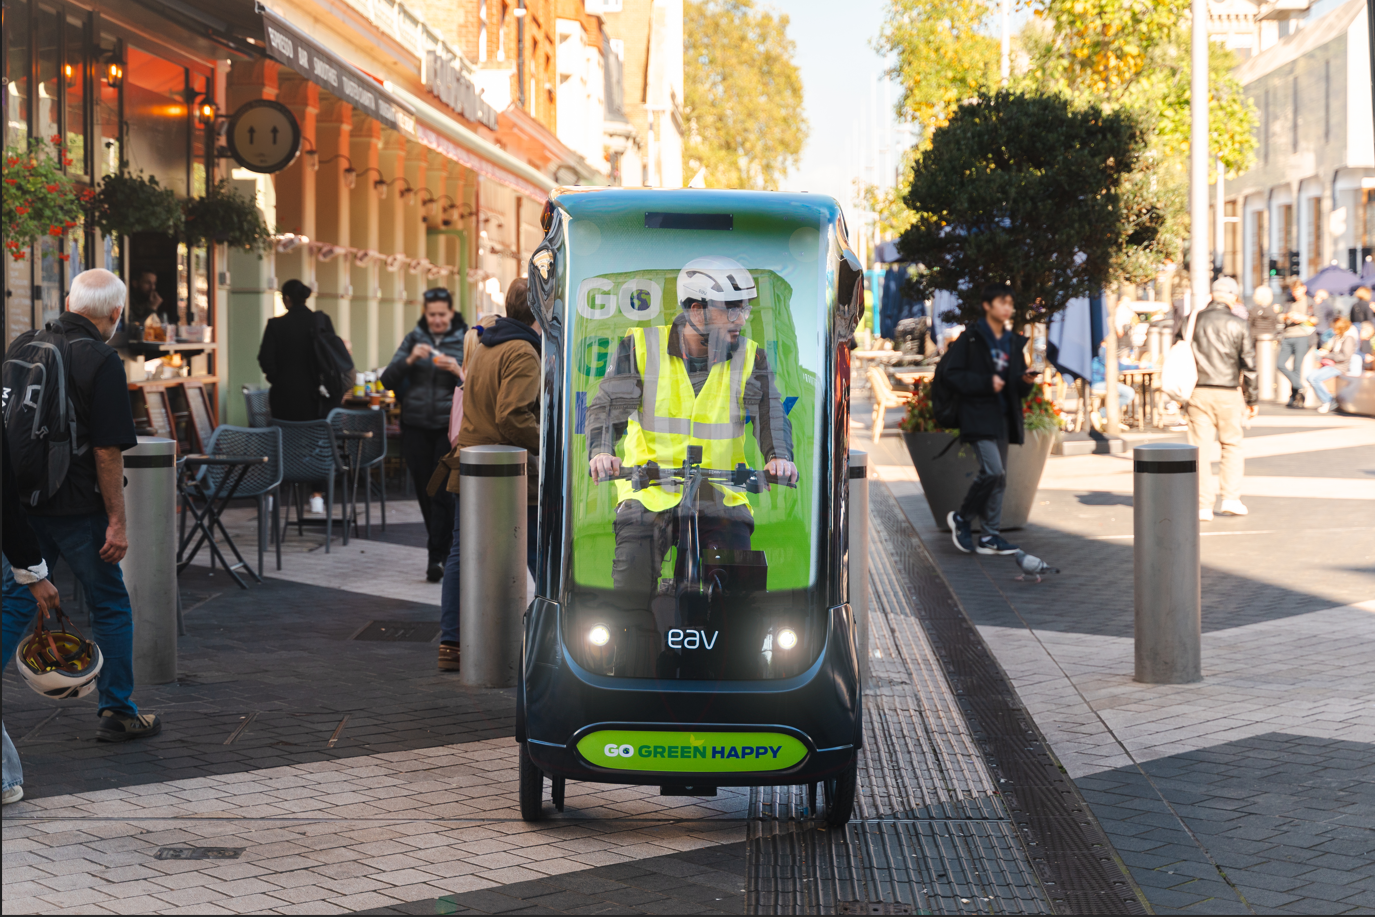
(52, 189)
(54, 230)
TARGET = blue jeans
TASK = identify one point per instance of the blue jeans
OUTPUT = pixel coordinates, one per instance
(14, 771)
(1320, 375)
(78, 540)
(449, 590)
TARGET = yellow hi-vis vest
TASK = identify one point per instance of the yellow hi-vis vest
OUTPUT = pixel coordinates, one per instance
(672, 417)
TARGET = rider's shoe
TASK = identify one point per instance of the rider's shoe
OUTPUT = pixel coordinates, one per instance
(995, 544)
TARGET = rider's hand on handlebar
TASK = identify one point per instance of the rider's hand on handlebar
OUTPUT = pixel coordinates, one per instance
(604, 465)
(782, 469)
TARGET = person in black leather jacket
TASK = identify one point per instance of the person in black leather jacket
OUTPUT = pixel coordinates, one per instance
(424, 373)
(1225, 392)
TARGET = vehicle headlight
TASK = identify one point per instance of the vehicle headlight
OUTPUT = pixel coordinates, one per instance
(599, 635)
(787, 639)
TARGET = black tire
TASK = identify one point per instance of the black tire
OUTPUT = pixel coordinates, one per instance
(840, 796)
(531, 787)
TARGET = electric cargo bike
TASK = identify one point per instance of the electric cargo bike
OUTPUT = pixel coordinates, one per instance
(691, 628)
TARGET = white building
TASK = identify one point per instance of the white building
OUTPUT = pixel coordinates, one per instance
(1310, 199)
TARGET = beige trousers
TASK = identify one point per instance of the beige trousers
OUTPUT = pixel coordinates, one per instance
(1217, 412)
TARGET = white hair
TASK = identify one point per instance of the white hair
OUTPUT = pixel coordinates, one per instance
(96, 293)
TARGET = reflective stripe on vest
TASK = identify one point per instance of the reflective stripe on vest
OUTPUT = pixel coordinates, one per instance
(672, 416)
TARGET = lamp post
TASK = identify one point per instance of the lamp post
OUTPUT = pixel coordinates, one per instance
(1199, 279)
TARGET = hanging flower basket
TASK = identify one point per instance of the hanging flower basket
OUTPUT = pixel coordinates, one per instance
(225, 215)
(39, 200)
(128, 204)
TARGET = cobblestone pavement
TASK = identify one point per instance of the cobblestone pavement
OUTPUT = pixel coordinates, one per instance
(346, 775)
(1253, 791)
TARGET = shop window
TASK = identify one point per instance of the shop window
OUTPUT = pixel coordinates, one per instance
(1231, 241)
(74, 78)
(48, 121)
(16, 72)
(1314, 235)
(158, 119)
(1259, 257)
(111, 151)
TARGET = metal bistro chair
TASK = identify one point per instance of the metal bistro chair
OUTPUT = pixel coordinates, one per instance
(262, 482)
(367, 454)
(259, 412)
(310, 456)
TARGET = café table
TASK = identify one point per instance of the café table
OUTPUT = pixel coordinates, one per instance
(351, 443)
(1143, 379)
(206, 508)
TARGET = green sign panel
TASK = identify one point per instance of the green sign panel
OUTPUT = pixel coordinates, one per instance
(691, 752)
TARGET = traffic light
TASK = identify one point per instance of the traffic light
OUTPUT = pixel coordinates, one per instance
(1294, 264)
(1274, 267)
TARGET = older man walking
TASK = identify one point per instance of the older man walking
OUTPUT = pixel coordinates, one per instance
(1225, 394)
(83, 520)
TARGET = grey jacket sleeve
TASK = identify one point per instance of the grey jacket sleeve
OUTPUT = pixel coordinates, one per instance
(772, 430)
(617, 398)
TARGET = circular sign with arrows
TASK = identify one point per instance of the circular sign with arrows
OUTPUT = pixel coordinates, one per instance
(264, 136)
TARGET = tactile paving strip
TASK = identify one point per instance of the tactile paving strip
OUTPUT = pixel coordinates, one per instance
(930, 833)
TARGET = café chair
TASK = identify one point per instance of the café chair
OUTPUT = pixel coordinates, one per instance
(261, 482)
(367, 454)
(311, 457)
(259, 413)
(884, 398)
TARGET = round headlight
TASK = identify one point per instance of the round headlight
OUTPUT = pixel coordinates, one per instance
(787, 639)
(599, 635)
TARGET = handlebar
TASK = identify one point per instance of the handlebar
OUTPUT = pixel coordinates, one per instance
(743, 477)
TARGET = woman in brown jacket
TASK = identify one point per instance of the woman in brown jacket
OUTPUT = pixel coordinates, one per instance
(500, 408)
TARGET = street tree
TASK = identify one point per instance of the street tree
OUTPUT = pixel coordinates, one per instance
(1028, 190)
(743, 94)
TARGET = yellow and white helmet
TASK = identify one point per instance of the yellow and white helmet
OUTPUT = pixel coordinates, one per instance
(59, 664)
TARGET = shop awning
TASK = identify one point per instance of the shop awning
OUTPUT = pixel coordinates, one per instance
(444, 135)
(289, 45)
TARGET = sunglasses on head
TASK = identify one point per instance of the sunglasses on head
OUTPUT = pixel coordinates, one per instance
(438, 294)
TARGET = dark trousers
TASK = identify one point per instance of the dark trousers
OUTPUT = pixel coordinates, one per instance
(644, 537)
(449, 592)
(985, 496)
(421, 450)
(1293, 350)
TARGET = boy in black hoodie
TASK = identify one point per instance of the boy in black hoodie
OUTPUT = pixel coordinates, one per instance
(989, 371)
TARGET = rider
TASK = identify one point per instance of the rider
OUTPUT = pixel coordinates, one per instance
(693, 382)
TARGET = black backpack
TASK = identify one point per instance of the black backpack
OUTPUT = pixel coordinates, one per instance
(333, 363)
(945, 400)
(40, 418)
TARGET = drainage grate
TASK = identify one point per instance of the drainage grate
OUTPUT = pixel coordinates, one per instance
(1077, 864)
(198, 853)
(398, 632)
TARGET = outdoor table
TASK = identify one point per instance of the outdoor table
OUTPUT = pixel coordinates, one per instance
(1143, 380)
(912, 377)
(211, 506)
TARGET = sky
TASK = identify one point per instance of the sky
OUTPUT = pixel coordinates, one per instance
(838, 72)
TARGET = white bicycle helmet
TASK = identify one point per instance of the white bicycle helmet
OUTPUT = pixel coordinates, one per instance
(58, 664)
(715, 280)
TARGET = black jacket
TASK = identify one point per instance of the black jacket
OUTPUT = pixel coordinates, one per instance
(21, 545)
(984, 413)
(426, 392)
(287, 356)
(1224, 351)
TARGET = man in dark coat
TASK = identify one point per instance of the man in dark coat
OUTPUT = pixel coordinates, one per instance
(425, 374)
(287, 356)
(988, 369)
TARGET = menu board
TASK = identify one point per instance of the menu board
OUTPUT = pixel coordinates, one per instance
(202, 424)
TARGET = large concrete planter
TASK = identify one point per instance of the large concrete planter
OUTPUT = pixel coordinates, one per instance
(946, 479)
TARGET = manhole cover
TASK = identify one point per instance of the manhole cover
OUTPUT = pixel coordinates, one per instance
(399, 631)
(872, 907)
(198, 853)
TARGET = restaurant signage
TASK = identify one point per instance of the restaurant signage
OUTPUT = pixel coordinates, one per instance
(264, 136)
(290, 46)
(455, 90)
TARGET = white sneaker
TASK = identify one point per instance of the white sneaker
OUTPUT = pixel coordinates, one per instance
(1325, 408)
(1205, 515)
(14, 794)
(317, 506)
(1233, 508)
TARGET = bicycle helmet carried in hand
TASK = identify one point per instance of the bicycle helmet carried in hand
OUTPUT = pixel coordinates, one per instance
(59, 664)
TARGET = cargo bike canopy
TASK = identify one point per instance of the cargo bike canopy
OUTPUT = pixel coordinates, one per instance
(699, 372)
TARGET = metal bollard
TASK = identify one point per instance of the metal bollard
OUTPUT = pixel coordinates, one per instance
(491, 507)
(150, 566)
(1267, 367)
(859, 556)
(1169, 618)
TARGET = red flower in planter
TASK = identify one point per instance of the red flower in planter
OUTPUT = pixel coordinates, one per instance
(54, 230)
